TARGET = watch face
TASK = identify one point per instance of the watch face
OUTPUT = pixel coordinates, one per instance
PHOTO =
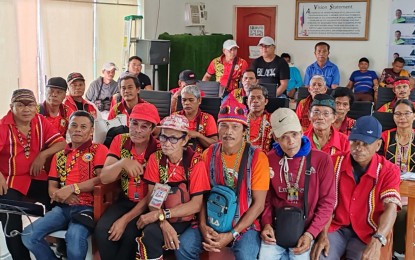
(161, 217)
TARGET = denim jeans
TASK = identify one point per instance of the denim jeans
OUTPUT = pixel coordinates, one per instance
(59, 218)
(245, 248)
(270, 252)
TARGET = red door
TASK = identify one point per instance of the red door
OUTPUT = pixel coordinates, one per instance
(252, 23)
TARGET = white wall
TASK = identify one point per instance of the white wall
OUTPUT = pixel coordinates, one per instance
(221, 19)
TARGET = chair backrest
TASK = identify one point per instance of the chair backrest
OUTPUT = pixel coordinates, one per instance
(303, 93)
(211, 88)
(386, 95)
(360, 108)
(272, 89)
(161, 99)
(273, 103)
(210, 105)
(386, 120)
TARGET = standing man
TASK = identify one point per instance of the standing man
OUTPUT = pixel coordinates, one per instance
(323, 66)
(130, 93)
(259, 121)
(72, 178)
(27, 140)
(367, 198)
(270, 68)
(100, 91)
(295, 77)
(222, 163)
(227, 68)
(75, 100)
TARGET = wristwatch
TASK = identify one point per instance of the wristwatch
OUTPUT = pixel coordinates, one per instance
(77, 191)
(381, 238)
(167, 213)
(161, 216)
(235, 234)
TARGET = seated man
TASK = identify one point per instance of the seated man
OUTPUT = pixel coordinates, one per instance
(202, 126)
(223, 66)
(74, 173)
(402, 90)
(184, 172)
(322, 135)
(295, 77)
(367, 188)
(27, 140)
(53, 108)
(222, 160)
(186, 78)
(116, 229)
(248, 79)
(389, 75)
(343, 98)
(130, 93)
(364, 82)
(100, 91)
(75, 100)
(259, 122)
(292, 148)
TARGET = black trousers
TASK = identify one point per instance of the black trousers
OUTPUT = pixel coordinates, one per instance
(399, 231)
(38, 191)
(126, 247)
(153, 240)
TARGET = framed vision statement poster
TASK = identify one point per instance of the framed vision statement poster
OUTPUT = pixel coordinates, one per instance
(332, 20)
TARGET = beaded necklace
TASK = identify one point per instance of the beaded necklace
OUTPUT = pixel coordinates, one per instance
(229, 178)
(404, 152)
(294, 189)
(173, 173)
(26, 146)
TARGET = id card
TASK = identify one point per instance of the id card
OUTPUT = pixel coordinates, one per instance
(159, 195)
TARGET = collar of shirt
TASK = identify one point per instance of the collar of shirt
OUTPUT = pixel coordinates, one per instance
(84, 146)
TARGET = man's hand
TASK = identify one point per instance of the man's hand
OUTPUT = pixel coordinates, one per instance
(117, 229)
(132, 167)
(37, 164)
(3, 185)
(268, 235)
(72, 199)
(193, 134)
(321, 245)
(208, 233)
(62, 194)
(148, 218)
(171, 239)
(372, 250)
(222, 240)
(303, 244)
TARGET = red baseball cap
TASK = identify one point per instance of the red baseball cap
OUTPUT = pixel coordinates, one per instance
(145, 111)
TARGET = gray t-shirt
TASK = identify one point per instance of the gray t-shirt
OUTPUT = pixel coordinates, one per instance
(107, 90)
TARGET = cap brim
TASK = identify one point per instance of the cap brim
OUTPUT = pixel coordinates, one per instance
(289, 128)
(230, 47)
(53, 86)
(190, 82)
(72, 80)
(145, 118)
(362, 138)
(173, 128)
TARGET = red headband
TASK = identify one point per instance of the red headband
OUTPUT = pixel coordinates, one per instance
(401, 81)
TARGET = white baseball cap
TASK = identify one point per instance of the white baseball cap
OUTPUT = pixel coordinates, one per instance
(109, 66)
(266, 41)
(284, 120)
(229, 44)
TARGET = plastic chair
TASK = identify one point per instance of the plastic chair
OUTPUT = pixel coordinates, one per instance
(360, 108)
(210, 88)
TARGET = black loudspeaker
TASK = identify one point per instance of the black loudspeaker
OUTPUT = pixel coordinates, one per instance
(154, 52)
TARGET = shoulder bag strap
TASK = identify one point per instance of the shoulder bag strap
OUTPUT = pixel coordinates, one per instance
(306, 183)
(242, 167)
(100, 88)
(235, 60)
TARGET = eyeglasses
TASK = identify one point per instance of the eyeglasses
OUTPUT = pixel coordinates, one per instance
(319, 113)
(406, 114)
(171, 139)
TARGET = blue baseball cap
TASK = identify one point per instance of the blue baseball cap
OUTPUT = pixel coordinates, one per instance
(366, 129)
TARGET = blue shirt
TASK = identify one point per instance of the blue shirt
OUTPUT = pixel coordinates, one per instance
(329, 71)
(363, 81)
(295, 79)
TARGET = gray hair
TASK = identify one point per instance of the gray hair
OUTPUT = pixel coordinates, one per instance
(319, 77)
(191, 89)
